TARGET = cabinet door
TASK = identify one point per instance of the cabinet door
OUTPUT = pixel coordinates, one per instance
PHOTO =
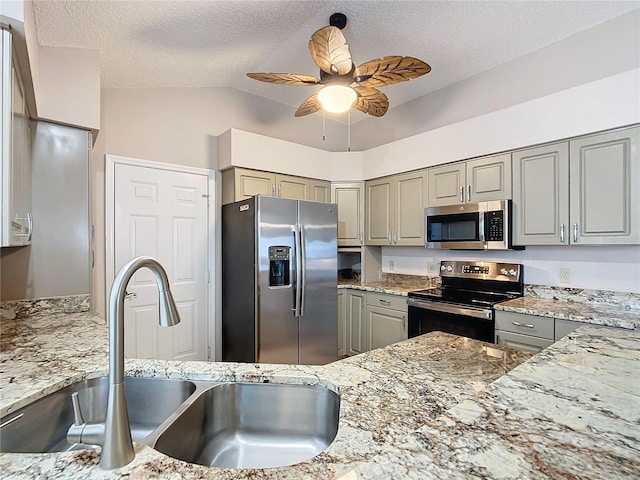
(252, 182)
(524, 343)
(379, 212)
(488, 178)
(446, 185)
(385, 326)
(605, 188)
(410, 202)
(319, 191)
(541, 195)
(350, 200)
(342, 324)
(296, 188)
(356, 323)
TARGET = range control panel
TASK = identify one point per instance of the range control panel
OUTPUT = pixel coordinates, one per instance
(484, 270)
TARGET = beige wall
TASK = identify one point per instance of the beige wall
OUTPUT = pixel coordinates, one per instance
(70, 90)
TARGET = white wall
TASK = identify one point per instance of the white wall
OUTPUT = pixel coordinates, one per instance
(598, 105)
(600, 268)
(70, 93)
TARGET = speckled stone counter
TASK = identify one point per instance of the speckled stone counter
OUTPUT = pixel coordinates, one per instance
(612, 309)
(429, 407)
(393, 284)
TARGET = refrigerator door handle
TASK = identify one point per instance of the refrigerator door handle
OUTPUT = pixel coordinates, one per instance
(303, 270)
(298, 290)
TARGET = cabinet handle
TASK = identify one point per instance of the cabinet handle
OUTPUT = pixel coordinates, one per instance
(562, 233)
(395, 236)
(279, 190)
(384, 302)
(389, 236)
(461, 194)
(575, 233)
(273, 189)
(361, 238)
(518, 324)
(404, 323)
(468, 193)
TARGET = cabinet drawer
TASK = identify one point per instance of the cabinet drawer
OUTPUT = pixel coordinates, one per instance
(394, 302)
(524, 343)
(525, 324)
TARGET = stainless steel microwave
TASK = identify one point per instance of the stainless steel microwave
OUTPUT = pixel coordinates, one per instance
(470, 226)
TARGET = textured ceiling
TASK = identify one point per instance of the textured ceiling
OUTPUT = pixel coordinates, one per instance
(180, 43)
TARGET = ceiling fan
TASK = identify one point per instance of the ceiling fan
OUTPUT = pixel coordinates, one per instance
(344, 84)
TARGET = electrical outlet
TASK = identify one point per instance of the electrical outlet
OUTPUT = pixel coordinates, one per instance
(431, 267)
(565, 275)
(392, 265)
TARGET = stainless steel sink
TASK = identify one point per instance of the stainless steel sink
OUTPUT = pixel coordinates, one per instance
(245, 425)
(42, 426)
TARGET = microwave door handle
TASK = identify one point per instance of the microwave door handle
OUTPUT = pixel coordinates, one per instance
(481, 224)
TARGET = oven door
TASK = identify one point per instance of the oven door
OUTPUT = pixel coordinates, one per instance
(426, 316)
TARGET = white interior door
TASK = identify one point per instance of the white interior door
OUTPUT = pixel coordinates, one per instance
(163, 214)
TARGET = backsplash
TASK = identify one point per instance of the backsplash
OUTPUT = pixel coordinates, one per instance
(18, 309)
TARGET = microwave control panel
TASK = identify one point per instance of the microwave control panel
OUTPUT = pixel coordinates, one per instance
(494, 226)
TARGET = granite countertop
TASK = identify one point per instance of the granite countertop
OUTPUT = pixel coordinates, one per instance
(612, 309)
(394, 284)
(436, 406)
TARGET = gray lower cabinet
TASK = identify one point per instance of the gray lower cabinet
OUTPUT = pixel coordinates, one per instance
(386, 319)
(342, 323)
(528, 333)
(357, 335)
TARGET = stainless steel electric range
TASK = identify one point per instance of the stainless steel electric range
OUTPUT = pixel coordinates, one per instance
(463, 305)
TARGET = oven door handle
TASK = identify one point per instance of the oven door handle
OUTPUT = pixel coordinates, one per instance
(448, 308)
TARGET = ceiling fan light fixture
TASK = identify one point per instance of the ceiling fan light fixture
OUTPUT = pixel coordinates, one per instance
(337, 98)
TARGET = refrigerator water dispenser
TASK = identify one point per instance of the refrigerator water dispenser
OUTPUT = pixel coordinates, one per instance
(279, 258)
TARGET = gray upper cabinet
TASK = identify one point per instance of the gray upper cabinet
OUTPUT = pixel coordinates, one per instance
(319, 191)
(350, 200)
(15, 165)
(604, 188)
(288, 186)
(582, 192)
(379, 212)
(478, 180)
(241, 183)
(541, 195)
(395, 209)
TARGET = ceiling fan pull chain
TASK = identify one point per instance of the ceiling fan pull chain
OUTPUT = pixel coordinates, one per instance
(349, 133)
(324, 127)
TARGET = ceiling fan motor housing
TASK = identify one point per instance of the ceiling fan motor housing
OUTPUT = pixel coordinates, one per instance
(338, 20)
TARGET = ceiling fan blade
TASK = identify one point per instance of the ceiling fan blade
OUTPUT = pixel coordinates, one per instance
(371, 101)
(389, 70)
(310, 105)
(285, 78)
(330, 51)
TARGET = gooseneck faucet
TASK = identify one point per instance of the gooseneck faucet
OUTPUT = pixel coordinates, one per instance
(115, 433)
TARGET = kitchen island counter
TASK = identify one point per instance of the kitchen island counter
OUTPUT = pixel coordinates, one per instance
(428, 407)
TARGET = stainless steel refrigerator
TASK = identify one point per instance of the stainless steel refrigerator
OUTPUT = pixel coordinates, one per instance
(279, 274)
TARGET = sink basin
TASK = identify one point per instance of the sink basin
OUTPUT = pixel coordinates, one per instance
(42, 426)
(253, 425)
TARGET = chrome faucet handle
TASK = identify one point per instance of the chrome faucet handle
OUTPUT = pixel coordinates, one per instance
(77, 411)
